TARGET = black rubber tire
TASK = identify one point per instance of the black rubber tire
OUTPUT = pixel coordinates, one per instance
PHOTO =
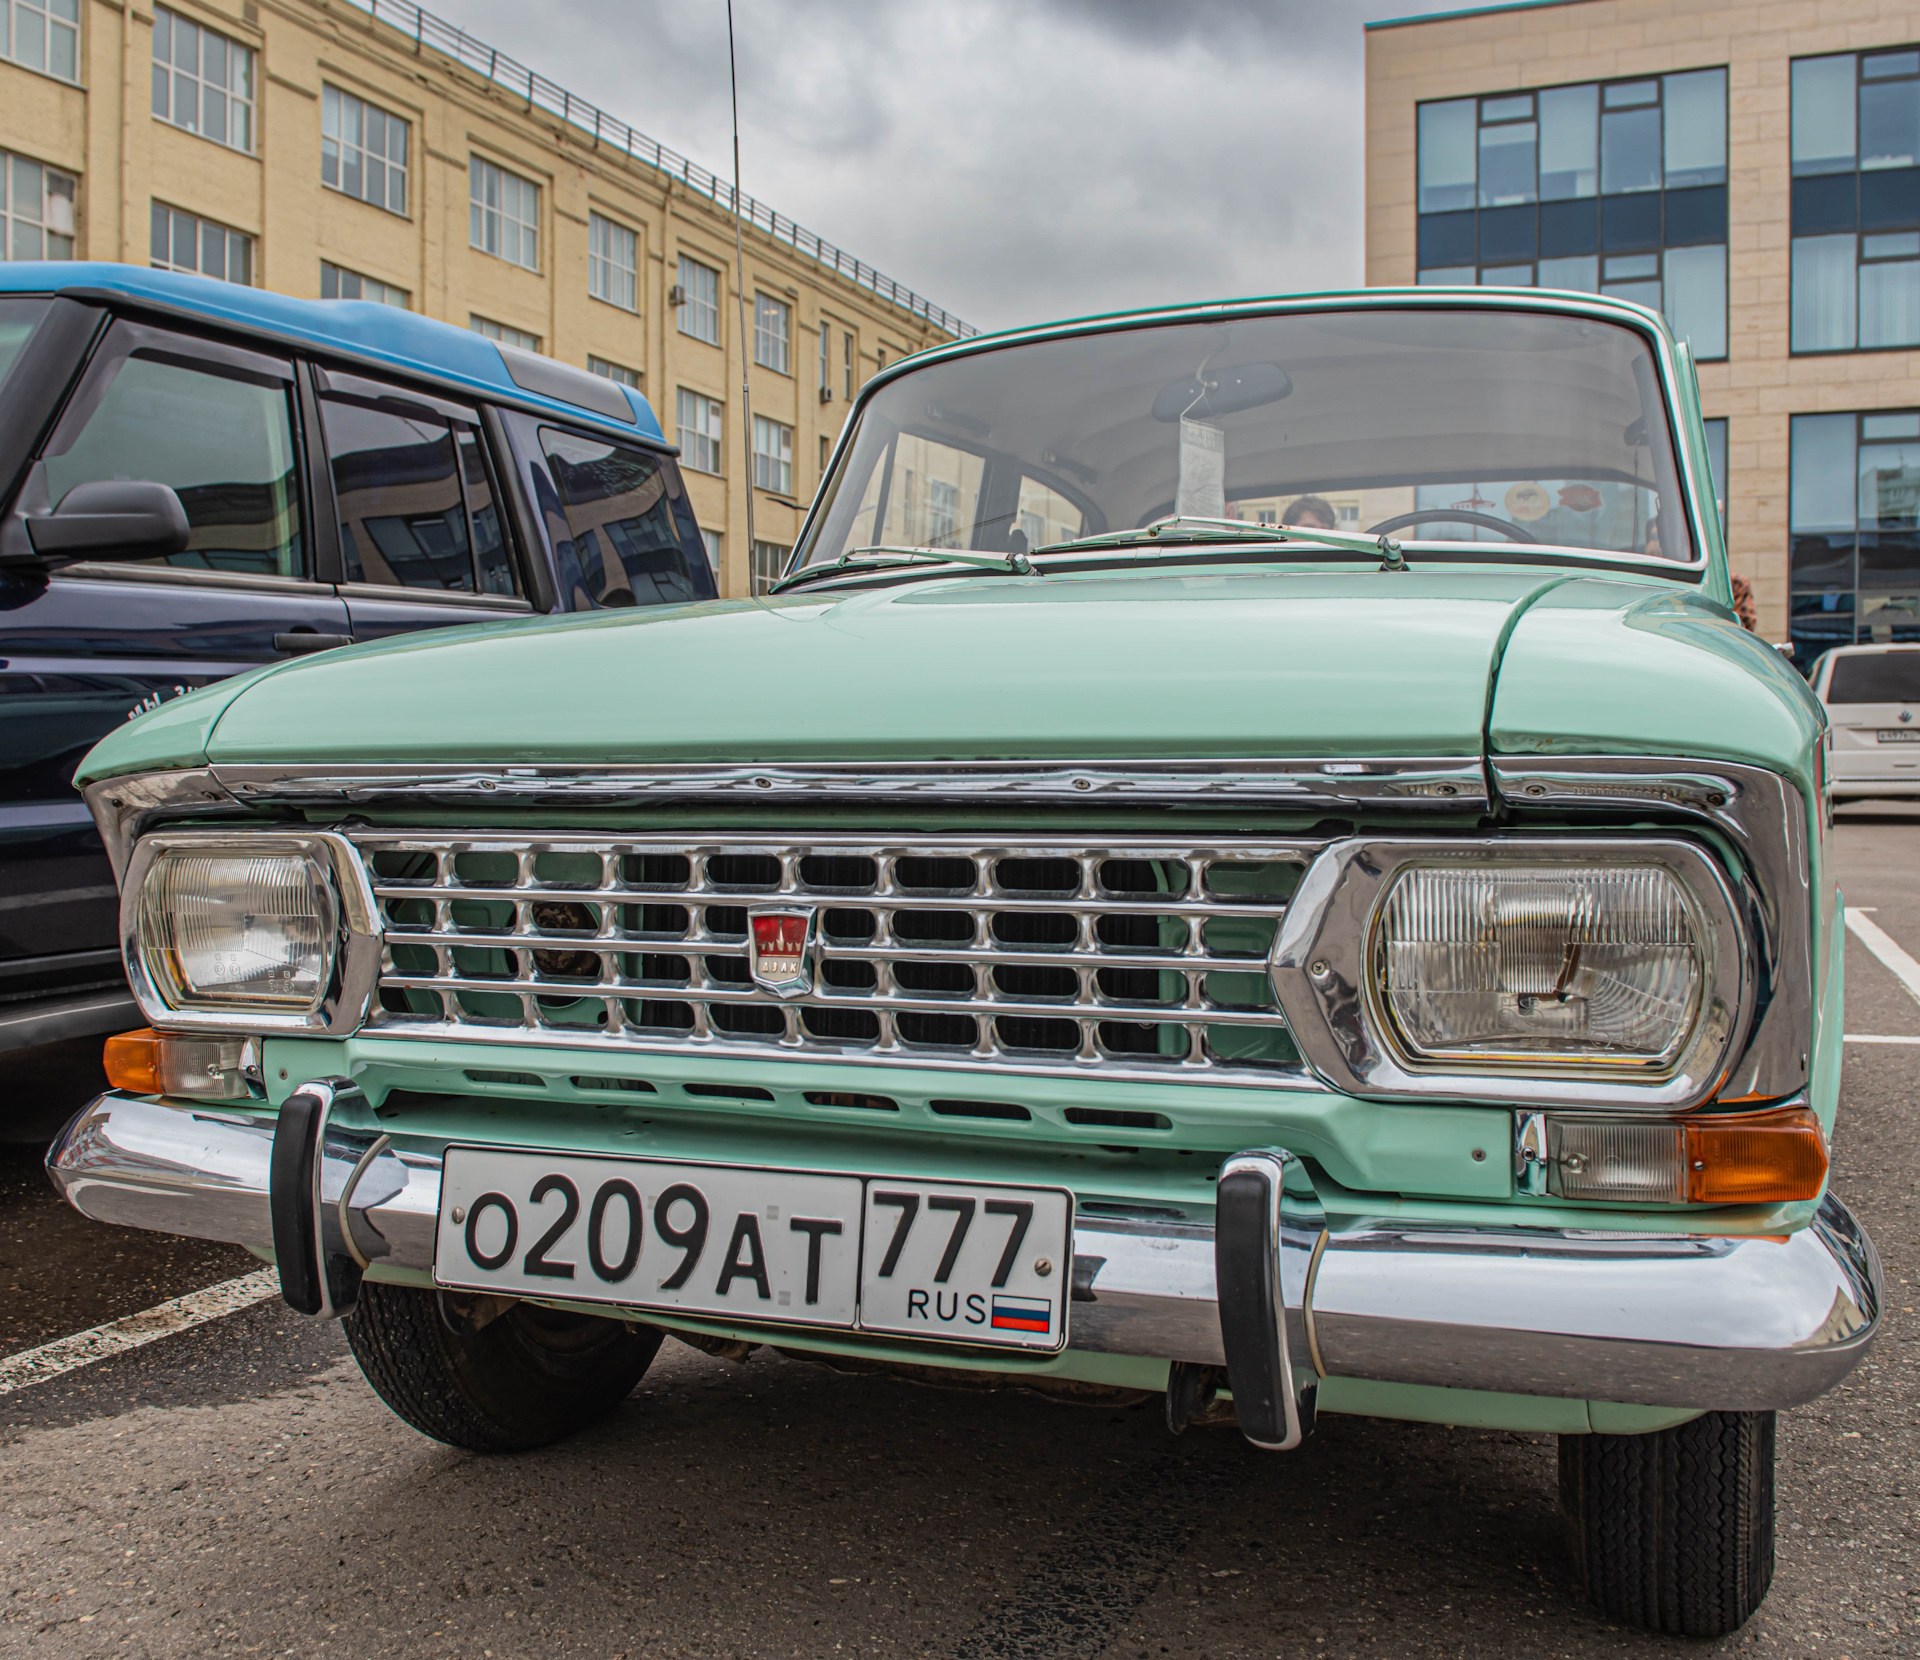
(1674, 1531)
(523, 1380)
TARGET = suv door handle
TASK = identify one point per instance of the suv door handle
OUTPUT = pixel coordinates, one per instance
(303, 640)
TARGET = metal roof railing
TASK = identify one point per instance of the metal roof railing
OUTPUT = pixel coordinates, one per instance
(426, 30)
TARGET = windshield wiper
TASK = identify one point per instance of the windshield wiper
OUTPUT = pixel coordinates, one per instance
(1013, 564)
(1177, 528)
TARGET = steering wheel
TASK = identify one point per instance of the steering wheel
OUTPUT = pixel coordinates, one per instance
(1452, 516)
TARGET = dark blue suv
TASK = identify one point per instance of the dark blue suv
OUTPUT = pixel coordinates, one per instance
(197, 478)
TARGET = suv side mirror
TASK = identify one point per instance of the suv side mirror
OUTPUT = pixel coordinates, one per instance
(128, 518)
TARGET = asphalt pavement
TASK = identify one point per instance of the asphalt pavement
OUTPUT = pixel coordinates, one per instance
(236, 1489)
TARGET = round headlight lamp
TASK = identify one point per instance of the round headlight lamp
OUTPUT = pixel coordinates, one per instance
(249, 932)
(1540, 965)
(234, 929)
(1551, 972)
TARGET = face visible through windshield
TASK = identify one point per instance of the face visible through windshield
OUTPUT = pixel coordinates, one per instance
(1464, 426)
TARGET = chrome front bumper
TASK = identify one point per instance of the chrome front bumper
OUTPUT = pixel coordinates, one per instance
(1674, 1320)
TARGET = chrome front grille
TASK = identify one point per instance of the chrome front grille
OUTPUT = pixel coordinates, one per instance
(1140, 958)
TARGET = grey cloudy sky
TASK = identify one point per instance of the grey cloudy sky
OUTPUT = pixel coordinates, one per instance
(1012, 160)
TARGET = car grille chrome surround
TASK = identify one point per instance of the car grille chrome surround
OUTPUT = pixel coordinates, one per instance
(1142, 958)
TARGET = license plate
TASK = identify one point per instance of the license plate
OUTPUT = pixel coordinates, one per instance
(965, 1262)
(1899, 735)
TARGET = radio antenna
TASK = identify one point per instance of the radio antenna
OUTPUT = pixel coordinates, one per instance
(740, 295)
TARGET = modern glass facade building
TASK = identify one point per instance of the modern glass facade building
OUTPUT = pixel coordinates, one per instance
(1753, 175)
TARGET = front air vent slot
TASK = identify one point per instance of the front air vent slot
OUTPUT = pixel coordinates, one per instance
(1042, 954)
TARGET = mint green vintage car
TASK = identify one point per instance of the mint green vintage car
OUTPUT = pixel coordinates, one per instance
(1248, 858)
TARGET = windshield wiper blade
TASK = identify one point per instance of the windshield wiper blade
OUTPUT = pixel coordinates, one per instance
(1189, 528)
(1012, 564)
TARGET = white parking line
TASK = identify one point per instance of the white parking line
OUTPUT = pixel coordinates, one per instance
(1877, 940)
(1863, 1037)
(83, 1348)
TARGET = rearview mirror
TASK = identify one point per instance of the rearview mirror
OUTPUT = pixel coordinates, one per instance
(128, 518)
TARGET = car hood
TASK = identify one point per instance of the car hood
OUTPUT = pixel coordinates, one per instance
(1300, 664)
(1256, 665)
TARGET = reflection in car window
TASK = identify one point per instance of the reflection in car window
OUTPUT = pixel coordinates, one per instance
(935, 494)
(224, 444)
(403, 522)
(18, 320)
(617, 543)
(489, 549)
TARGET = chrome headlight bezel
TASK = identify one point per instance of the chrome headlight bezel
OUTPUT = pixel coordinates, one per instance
(1322, 968)
(348, 977)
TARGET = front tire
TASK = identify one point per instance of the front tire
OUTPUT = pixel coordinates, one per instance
(1674, 1531)
(522, 1379)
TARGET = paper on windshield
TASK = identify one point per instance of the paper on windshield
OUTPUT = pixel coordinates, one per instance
(1202, 492)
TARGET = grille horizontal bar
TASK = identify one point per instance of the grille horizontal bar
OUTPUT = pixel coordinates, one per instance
(1143, 958)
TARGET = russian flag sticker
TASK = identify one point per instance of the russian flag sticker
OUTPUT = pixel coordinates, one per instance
(1022, 1314)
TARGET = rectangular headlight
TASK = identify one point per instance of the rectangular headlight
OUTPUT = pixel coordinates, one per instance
(1541, 965)
(238, 929)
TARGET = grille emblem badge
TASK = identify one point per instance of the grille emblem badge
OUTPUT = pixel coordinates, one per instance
(780, 949)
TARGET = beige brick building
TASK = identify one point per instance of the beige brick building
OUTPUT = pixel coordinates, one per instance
(348, 149)
(1752, 168)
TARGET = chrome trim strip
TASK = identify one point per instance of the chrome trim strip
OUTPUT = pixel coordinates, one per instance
(1299, 785)
(1765, 817)
(1705, 1321)
(1323, 974)
(124, 807)
(352, 974)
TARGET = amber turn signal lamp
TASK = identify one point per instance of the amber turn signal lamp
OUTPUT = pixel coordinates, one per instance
(1756, 1158)
(133, 1061)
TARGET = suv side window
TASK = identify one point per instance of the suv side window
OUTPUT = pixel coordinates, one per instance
(415, 503)
(616, 539)
(214, 422)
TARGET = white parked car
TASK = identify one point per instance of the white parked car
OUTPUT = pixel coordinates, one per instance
(1872, 694)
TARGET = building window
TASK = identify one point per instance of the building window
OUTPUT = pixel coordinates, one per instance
(826, 450)
(363, 150)
(769, 561)
(183, 242)
(36, 210)
(504, 214)
(1856, 201)
(773, 456)
(202, 81)
(1854, 524)
(699, 301)
(846, 366)
(1615, 187)
(1717, 465)
(613, 263)
(614, 371)
(338, 283)
(43, 35)
(699, 420)
(772, 333)
(710, 540)
(505, 333)
(826, 361)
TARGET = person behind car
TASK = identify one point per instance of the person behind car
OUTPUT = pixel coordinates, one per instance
(1309, 513)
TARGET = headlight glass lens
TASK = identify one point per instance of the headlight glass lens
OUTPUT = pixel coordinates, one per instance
(230, 929)
(1541, 964)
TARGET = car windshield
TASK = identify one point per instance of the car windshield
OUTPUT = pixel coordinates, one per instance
(1469, 425)
(1875, 677)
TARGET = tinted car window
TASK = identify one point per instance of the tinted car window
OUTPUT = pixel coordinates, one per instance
(18, 320)
(1876, 677)
(222, 439)
(490, 556)
(619, 544)
(403, 519)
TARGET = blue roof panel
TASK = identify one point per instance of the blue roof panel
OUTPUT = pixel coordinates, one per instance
(375, 334)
